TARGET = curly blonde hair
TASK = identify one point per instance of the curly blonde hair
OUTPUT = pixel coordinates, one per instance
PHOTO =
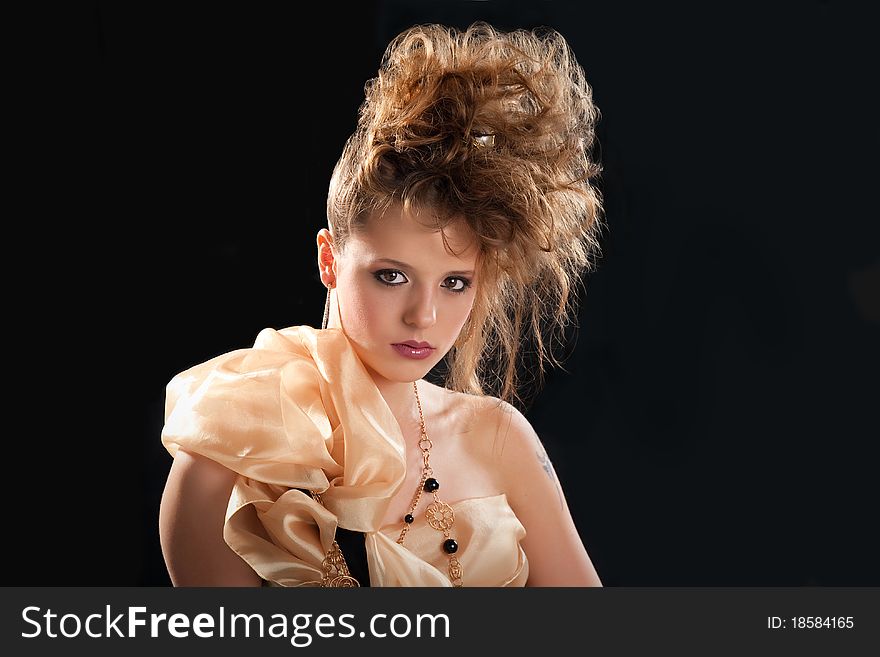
(493, 129)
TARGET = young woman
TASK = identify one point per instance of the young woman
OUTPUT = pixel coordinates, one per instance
(460, 215)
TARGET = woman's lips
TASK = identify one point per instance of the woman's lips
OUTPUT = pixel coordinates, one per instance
(410, 352)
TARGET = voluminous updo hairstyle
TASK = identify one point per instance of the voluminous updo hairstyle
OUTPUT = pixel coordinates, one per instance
(494, 129)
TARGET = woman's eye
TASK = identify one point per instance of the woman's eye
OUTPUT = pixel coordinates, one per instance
(391, 274)
(456, 288)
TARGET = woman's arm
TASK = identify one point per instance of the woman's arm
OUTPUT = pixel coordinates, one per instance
(191, 518)
(556, 554)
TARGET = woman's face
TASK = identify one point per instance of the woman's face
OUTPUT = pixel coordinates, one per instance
(425, 296)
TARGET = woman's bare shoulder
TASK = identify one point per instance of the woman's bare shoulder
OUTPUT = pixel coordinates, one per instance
(461, 406)
(483, 417)
(508, 430)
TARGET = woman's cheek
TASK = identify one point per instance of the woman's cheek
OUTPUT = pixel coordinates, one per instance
(368, 308)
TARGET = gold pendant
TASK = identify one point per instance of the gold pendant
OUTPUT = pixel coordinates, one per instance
(336, 573)
(344, 582)
(440, 515)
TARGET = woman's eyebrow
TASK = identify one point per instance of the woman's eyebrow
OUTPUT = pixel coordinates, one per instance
(461, 272)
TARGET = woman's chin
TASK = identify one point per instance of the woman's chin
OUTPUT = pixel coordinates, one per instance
(405, 372)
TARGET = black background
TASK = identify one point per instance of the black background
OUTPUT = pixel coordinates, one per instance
(716, 420)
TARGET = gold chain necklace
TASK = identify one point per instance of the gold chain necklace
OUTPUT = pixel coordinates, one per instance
(439, 515)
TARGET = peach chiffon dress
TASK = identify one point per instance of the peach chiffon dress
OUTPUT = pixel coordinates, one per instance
(300, 410)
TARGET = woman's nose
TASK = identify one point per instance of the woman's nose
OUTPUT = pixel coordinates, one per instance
(422, 308)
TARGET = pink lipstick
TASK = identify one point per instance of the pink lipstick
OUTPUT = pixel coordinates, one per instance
(413, 349)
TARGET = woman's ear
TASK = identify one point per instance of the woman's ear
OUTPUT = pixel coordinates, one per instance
(326, 258)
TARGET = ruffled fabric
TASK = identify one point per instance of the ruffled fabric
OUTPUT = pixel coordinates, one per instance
(300, 410)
